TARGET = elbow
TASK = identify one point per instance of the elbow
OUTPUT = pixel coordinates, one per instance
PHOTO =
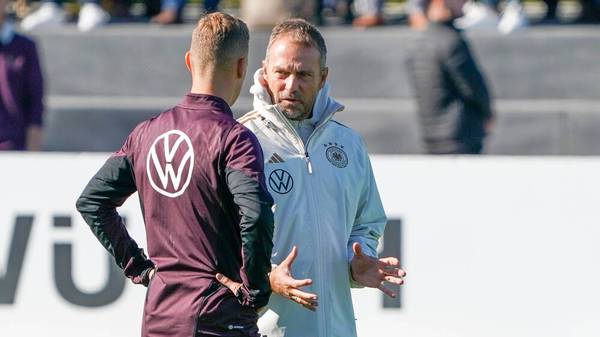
(82, 204)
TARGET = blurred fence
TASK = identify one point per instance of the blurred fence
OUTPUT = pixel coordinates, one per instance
(544, 79)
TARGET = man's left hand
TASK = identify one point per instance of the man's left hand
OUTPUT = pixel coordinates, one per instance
(371, 272)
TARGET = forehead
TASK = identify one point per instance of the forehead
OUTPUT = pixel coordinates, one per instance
(285, 51)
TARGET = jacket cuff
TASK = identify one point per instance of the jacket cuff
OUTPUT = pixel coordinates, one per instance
(138, 268)
(252, 298)
(366, 251)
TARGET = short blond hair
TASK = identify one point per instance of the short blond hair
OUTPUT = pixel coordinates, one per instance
(219, 39)
(301, 32)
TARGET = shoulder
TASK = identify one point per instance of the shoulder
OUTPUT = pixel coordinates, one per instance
(348, 135)
(443, 37)
(239, 133)
(345, 130)
(452, 40)
(250, 118)
(137, 133)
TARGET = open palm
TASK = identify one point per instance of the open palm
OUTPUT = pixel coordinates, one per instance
(372, 272)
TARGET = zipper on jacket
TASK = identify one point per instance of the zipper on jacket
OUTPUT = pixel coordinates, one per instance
(303, 147)
(291, 128)
(323, 321)
(308, 163)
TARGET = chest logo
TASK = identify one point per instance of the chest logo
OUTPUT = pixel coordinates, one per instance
(281, 181)
(170, 163)
(336, 155)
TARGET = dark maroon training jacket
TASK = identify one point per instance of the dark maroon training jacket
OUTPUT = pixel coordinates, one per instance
(199, 175)
(21, 92)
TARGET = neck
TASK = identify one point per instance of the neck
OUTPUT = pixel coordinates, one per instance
(208, 84)
(438, 14)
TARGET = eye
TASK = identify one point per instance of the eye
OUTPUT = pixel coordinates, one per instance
(304, 74)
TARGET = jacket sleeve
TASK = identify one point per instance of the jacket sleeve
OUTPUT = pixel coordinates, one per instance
(370, 220)
(98, 203)
(246, 182)
(467, 78)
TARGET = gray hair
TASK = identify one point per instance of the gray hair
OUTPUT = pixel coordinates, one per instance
(302, 32)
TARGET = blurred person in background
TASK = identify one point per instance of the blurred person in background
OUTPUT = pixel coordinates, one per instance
(328, 213)
(551, 12)
(207, 213)
(341, 8)
(590, 12)
(171, 11)
(477, 15)
(454, 103)
(369, 13)
(21, 89)
(486, 14)
(416, 14)
(52, 14)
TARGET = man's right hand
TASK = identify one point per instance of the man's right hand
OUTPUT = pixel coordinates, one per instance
(283, 284)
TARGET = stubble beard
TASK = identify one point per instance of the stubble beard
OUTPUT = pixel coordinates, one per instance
(297, 112)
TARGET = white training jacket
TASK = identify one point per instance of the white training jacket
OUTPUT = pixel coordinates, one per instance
(325, 200)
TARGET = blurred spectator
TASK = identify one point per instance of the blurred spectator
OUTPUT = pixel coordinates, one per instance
(453, 101)
(338, 7)
(551, 7)
(486, 14)
(478, 15)
(416, 14)
(590, 12)
(52, 14)
(171, 10)
(370, 13)
(21, 89)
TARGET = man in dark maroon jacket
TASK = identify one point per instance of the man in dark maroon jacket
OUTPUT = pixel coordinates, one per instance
(21, 89)
(199, 175)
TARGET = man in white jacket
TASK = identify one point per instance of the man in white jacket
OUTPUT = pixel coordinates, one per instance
(328, 213)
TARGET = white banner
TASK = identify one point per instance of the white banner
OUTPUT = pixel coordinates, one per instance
(493, 246)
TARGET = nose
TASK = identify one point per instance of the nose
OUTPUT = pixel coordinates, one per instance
(291, 83)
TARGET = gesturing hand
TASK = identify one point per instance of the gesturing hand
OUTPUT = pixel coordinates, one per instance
(283, 284)
(371, 272)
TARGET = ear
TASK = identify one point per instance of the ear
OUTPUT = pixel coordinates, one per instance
(242, 65)
(263, 79)
(324, 74)
(188, 61)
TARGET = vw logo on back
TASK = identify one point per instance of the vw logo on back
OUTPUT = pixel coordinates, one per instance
(281, 181)
(170, 163)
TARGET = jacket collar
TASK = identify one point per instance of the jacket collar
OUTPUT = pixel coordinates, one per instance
(203, 101)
